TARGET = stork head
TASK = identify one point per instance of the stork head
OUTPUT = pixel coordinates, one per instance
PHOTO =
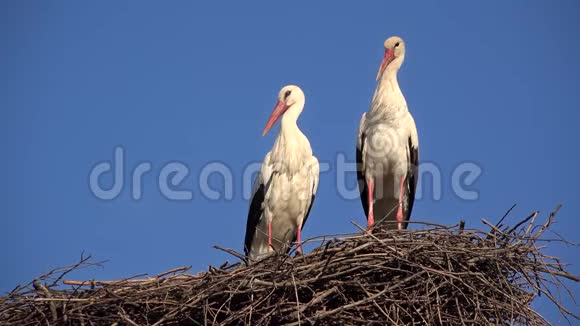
(394, 55)
(290, 97)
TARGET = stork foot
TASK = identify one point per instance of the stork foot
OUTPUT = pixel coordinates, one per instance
(400, 210)
(400, 217)
(371, 217)
(270, 247)
(299, 250)
(370, 221)
(299, 239)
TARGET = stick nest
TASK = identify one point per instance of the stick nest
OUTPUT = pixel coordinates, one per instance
(438, 275)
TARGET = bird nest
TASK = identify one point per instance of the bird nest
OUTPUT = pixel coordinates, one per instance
(437, 275)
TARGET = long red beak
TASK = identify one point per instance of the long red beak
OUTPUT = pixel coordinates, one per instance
(279, 109)
(389, 56)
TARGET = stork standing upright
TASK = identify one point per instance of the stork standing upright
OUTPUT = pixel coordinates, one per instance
(387, 150)
(285, 187)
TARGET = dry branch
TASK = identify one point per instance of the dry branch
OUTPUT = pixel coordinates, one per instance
(439, 275)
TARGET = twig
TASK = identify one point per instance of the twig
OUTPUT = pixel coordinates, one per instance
(441, 274)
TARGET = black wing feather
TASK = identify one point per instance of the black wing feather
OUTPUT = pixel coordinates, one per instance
(411, 178)
(254, 216)
(362, 184)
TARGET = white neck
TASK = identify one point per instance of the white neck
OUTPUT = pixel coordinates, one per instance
(291, 147)
(388, 95)
(288, 124)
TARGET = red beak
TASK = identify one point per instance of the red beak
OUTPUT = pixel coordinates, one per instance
(279, 109)
(389, 56)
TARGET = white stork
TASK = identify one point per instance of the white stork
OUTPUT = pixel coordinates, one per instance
(284, 189)
(387, 150)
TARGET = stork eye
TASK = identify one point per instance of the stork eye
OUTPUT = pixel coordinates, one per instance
(397, 44)
(287, 94)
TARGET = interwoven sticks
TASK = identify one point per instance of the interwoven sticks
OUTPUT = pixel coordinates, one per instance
(439, 275)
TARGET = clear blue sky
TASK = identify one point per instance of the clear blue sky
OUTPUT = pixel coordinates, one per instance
(495, 83)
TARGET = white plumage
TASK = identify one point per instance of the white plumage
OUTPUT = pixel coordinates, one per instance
(388, 147)
(285, 188)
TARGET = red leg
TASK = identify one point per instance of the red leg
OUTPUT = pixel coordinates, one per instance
(400, 210)
(270, 234)
(371, 217)
(299, 240)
